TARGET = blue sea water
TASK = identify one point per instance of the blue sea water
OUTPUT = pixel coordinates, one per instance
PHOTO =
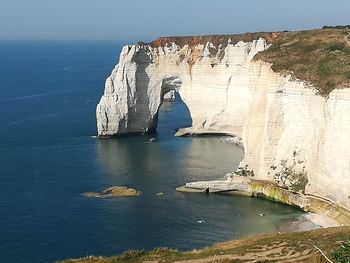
(48, 94)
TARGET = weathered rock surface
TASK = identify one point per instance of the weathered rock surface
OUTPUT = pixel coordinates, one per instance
(169, 96)
(114, 191)
(286, 129)
(233, 140)
(209, 86)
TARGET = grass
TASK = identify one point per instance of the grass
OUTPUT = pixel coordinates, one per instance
(319, 57)
(342, 254)
(269, 248)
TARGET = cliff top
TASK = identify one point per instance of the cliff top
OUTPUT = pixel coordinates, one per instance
(216, 40)
(320, 57)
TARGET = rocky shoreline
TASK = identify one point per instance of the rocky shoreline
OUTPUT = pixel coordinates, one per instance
(322, 212)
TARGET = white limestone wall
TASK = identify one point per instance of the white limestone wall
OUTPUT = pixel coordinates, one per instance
(331, 165)
(280, 120)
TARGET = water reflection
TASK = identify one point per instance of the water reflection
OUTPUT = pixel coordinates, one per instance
(177, 159)
(173, 115)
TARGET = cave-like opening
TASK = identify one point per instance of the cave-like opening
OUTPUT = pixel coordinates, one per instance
(173, 114)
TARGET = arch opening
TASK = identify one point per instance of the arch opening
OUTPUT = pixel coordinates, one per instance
(173, 112)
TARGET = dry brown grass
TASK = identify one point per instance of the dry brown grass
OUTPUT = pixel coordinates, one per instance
(216, 40)
(319, 57)
(289, 247)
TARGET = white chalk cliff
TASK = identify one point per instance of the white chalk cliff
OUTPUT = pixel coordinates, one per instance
(286, 128)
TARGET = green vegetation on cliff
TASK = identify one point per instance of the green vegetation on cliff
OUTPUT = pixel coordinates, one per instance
(342, 254)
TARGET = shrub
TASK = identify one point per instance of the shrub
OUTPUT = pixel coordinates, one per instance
(336, 27)
(131, 255)
(342, 254)
(244, 171)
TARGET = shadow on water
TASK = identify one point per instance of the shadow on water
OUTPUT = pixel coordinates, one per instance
(172, 116)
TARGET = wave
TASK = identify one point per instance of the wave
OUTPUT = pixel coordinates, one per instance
(13, 123)
(68, 68)
(29, 96)
(73, 67)
(44, 116)
(41, 95)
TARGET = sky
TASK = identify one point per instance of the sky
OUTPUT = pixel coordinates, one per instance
(144, 20)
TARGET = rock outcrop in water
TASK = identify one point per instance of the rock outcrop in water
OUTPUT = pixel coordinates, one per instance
(291, 135)
(114, 191)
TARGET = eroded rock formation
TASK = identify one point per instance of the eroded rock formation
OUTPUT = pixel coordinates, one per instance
(169, 96)
(286, 128)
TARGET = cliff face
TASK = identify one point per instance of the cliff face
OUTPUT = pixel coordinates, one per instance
(291, 136)
(210, 85)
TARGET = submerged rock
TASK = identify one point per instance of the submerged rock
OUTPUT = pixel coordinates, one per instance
(114, 191)
(91, 194)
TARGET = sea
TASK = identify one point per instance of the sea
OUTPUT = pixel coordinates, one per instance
(49, 156)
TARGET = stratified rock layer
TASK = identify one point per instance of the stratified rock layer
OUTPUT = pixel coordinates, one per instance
(287, 130)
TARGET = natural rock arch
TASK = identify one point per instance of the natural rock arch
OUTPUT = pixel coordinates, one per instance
(171, 83)
(171, 86)
(214, 88)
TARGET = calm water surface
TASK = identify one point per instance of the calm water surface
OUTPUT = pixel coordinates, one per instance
(49, 91)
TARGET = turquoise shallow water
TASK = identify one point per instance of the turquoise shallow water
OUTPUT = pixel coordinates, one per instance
(48, 158)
